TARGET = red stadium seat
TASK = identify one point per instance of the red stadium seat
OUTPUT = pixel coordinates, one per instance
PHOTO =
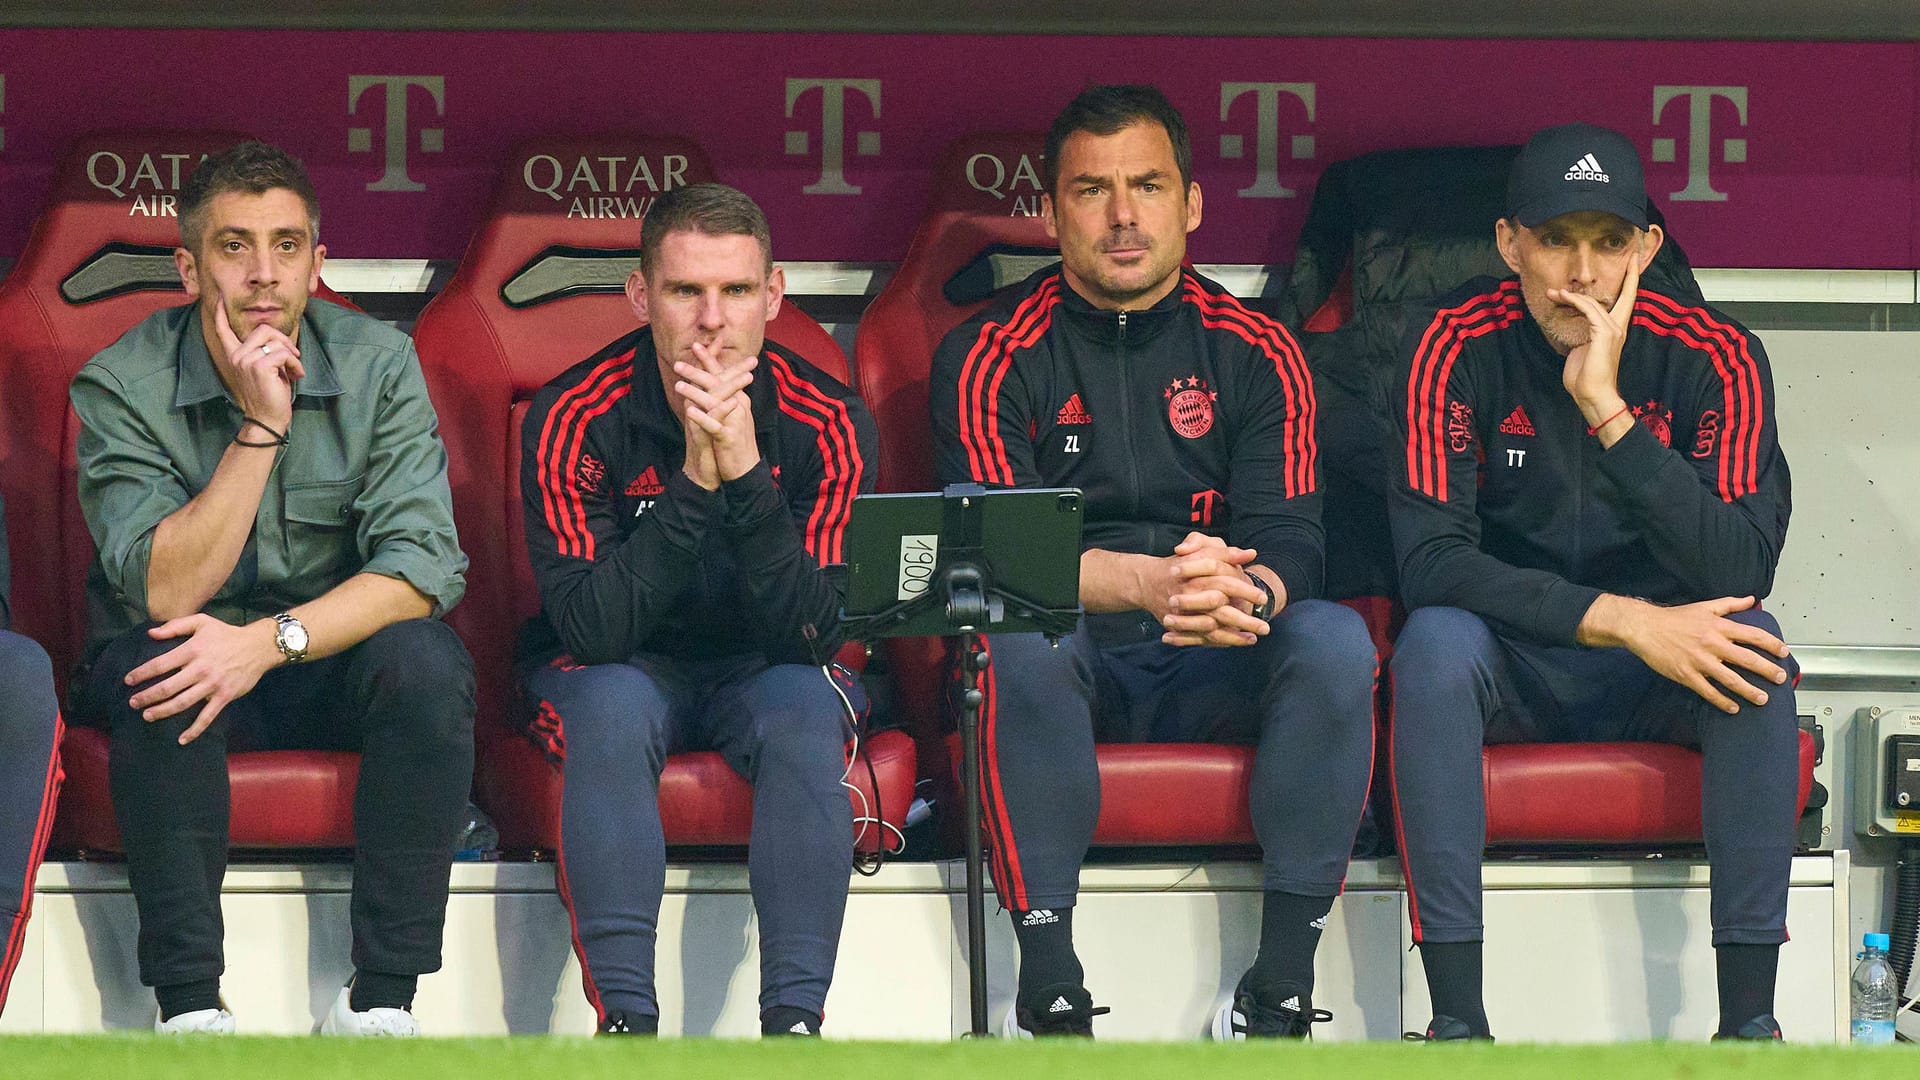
(98, 261)
(537, 291)
(893, 352)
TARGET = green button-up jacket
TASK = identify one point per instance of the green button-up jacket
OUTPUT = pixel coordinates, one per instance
(361, 485)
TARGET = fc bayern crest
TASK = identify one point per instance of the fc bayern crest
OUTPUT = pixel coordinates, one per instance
(1658, 419)
(1190, 406)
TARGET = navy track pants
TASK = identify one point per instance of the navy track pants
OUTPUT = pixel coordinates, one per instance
(1457, 685)
(1303, 695)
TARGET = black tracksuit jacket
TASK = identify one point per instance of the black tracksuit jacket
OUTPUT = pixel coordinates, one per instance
(1194, 414)
(631, 556)
(1504, 505)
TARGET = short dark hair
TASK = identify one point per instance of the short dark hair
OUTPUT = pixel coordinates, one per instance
(1104, 110)
(253, 167)
(708, 209)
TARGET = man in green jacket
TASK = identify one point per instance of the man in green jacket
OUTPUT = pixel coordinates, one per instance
(268, 497)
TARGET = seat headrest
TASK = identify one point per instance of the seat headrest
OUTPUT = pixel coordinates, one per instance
(546, 269)
(996, 267)
(591, 191)
(112, 219)
(566, 213)
(114, 206)
(993, 173)
(983, 229)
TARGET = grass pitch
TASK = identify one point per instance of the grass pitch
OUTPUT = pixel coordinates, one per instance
(112, 1057)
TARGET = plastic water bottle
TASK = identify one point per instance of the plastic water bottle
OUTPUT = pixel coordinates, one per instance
(479, 840)
(1875, 998)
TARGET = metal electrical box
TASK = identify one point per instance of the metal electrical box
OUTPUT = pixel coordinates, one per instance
(1886, 770)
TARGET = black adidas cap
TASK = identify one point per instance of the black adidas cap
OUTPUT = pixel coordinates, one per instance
(1576, 167)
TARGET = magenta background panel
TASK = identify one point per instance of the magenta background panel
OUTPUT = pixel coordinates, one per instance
(1760, 154)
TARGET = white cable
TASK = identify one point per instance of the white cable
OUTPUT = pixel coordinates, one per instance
(866, 816)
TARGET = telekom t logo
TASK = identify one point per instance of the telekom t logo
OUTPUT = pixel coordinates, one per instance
(1700, 136)
(833, 130)
(1204, 503)
(1266, 133)
(432, 139)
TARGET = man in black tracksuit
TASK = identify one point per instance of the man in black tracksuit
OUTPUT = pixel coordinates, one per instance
(683, 488)
(1188, 422)
(1589, 500)
(30, 730)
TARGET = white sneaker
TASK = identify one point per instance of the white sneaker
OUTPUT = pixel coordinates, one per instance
(374, 1023)
(197, 1022)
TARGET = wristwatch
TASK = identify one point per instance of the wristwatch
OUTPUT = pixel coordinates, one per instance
(1264, 609)
(290, 637)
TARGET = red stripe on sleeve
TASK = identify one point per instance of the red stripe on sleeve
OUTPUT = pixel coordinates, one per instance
(556, 455)
(1432, 369)
(982, 374)
(1741, 404)
(1223, 311)
(841, 464)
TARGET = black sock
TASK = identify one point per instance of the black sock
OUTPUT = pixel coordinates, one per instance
(374, 990)
(187, 997)
(1290, 927)
(1454, 981)
(781, 1019)
(1747, 974)
(1046, 948)
(621, 1022)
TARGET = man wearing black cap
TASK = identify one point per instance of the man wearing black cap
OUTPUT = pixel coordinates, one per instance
(1593, 503)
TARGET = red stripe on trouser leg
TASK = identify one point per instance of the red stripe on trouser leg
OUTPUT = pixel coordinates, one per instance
(1399, 829)
(43, 828)
(1008, 881)
(560, 881)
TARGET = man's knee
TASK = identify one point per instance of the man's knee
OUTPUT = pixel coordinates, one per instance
(23, 664)
(609, 713)
(797, 709)
(27, 707)
(421, 671)
(132, 649)
(1057, 670)
(1440, 643)
(104, 693)
(1442, 671)
(1329, 638)
(1764, 621)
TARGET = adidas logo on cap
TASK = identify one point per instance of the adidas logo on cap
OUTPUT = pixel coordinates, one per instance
(1588, 169)
(1059, 1005)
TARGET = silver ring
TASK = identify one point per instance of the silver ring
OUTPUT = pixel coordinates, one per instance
(267, 348)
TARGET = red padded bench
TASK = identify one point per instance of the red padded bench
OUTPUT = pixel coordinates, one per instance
(535, 293)
(96, 263)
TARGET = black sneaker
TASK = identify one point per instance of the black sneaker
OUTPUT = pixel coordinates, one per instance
(1246, 1018)
(1762, 1028)
(789, 1022)
(1446, 1029)
(1060, 1009)
(625, 1023)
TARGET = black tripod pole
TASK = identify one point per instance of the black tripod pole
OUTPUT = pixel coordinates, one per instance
(973, 660)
